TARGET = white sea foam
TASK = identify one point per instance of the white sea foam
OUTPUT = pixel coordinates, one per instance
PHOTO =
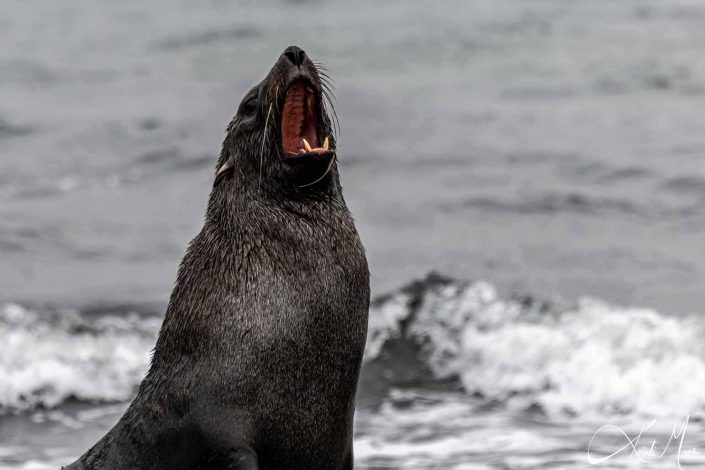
(49, 358)
(591, 358)
(595, 358)
(446, 431)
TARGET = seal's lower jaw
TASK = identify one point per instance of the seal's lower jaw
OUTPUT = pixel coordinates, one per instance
(300, 124)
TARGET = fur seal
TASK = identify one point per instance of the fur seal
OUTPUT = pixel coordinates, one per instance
(258, 357)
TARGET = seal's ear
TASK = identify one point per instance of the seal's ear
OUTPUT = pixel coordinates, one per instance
(225, 169)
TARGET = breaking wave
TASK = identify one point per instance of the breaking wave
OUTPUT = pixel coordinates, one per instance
(588, 358)
(50, 357)
(591, 358)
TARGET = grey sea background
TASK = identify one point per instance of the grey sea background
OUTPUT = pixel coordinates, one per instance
(528, 178)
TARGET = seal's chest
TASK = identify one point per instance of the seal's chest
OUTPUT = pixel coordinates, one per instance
(322, 291)
(329, 294)
(315, 276)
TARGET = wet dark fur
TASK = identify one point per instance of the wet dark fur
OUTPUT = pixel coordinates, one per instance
(257, 361)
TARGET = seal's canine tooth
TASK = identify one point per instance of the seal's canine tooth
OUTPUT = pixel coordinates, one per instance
(258, 358)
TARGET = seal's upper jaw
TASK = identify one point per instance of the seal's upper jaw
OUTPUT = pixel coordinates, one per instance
(300, 121)
(303, 127)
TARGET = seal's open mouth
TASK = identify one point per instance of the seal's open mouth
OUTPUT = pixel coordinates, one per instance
(299, 122)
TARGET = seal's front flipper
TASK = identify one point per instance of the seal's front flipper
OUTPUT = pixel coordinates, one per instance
(241, 458)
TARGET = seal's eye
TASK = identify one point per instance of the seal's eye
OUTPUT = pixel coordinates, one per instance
(250, 106)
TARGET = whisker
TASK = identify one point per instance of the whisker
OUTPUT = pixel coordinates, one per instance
(327, 77)
(327, 87)
(329, 95)
(330, 167)
(336, 122)
(264, 141)
(277, 116)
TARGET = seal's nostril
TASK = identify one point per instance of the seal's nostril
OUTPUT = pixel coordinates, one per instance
(295, 54)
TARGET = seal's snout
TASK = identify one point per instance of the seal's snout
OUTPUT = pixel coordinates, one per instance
(295, 55)
(303, 132)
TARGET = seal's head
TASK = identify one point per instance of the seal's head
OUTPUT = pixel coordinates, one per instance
(281, 138)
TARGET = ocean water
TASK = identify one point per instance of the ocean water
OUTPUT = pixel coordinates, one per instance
(546, 158)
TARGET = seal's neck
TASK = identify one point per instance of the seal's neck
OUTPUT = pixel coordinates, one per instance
(238, 205)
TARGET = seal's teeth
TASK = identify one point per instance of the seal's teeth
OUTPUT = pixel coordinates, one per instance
(325, 144)
(307, 146)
